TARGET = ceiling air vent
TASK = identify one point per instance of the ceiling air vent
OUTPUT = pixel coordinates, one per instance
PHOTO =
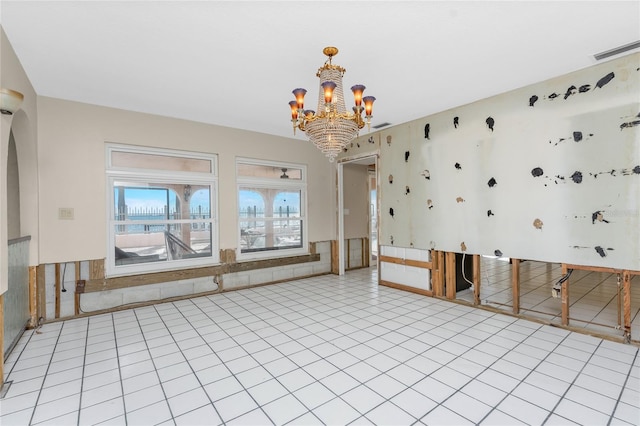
(617, 50)
(381, 125)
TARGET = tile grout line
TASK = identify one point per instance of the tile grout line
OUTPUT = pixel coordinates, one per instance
(115, 342)
(35, 405)
(613, 412)
(84, 364)
(485, 369)
(155, 369)
(189, 363)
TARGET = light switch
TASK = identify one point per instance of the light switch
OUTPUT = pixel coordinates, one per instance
(65, 213)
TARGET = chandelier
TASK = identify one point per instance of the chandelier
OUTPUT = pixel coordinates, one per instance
(332, 127)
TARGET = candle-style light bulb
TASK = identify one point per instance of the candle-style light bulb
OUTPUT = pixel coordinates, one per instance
(328, 87)
(368, 105)
(299, 94)
(294, 110)
(357, 93)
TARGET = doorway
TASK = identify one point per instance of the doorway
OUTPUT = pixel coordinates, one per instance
(373, 215)
(357, 207)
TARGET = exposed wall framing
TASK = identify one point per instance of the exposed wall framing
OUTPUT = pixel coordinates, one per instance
(89, 277)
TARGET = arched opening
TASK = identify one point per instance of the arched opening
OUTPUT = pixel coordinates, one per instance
(13, 191)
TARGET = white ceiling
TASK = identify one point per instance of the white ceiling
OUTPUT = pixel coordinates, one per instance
(234, 63)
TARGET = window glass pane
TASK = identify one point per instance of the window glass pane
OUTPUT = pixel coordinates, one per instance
(258, 235)
(251, 203)
(152, 242)
(286, 204)
(141, 201)
(138, 160)
(271, 210)
(153, 205)
(196, 244)
(269, 203)
(269, 171)
(142, 243)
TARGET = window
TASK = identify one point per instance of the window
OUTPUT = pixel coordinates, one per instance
(161, 210)
(271, 208)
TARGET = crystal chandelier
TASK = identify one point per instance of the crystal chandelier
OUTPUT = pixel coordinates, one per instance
(332, 127)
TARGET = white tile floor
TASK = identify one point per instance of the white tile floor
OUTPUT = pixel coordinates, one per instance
(324, 350)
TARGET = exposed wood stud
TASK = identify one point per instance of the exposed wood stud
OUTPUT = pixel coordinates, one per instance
(96, 269)
(450, 274)
(33, 297)
(335, 257)
(366, 253)
(477, 278)
(76, 294)
(515, 284)
(41, 297)
(57, 288)
(626, 302)
(437, 278)
(564, 296)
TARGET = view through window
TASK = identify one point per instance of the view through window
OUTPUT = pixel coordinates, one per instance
(271, 208)
(160, 216)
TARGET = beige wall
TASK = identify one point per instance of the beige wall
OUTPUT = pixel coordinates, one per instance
(24, 126)
(356, 201)
(71, 149)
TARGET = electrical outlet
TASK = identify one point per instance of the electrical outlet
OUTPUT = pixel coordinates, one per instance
(65, 213)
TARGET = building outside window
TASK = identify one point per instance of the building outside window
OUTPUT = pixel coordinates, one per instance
(271, 208)
(162, 210)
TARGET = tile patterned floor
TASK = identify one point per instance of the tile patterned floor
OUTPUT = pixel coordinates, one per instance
(325, 350)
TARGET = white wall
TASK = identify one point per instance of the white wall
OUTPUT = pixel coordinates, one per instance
(71, 168)
(24, 126)
(482, 194)
(356, 201)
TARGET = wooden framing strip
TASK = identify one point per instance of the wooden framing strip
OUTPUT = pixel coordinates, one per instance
(450, 274)
(268, 263)
(406, 262)
(564, 296)
(76, 294)
(406, 288)
(366, 252)
(33, 297)
(626, 302)
(41, 297)
(515, 284)
(57, 288)
(348, 259)
(437, 277)
(477, 278)
(94, 285)
(335, 257)
(600, 269)
(96, 269)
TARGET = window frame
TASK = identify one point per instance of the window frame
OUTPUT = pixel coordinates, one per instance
(150, 176)
(250, 182)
